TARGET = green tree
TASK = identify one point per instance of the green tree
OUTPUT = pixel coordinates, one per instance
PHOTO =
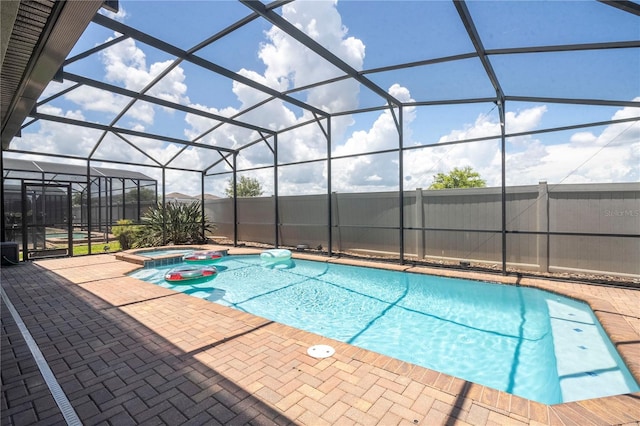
(247, 187)
(458, 178)
(146, 194)
(78, 197)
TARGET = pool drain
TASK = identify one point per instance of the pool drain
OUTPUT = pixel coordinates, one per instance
(321, 351)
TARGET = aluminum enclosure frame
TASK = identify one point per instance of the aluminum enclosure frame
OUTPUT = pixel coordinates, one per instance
(259, 10)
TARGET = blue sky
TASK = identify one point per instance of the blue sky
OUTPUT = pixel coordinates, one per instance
(367, 35)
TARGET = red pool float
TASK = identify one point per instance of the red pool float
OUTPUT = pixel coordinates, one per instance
(189, 273)
(202, 257)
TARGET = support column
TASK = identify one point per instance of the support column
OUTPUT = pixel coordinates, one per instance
(164, 206)
(419, 224)
(235, 200)
(336, 221)
(401, 182)
(503, 184)
(202, 217)
(329, 192)
(542, 239)
(2, 224)
(275, 191)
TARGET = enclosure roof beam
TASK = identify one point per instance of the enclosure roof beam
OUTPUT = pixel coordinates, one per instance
(489, 52)
(472, 31)
(235, 26)
(134, 146)
(565, 47)
(161, 102)
(600, 102)
(94, 49)
(314, 46)
(192, 58)
(103, 127)
(254, 142)
(78, 157)
(168, 70)
(627, 6)
(215, 163)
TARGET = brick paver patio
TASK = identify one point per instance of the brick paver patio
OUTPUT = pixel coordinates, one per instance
(128, 352)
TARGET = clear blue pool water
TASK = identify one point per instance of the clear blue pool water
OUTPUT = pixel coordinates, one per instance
(524, 341)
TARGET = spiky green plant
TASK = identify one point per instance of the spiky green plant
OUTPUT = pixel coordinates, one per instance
(182, 224)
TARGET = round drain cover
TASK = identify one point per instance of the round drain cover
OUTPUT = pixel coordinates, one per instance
(321, 351)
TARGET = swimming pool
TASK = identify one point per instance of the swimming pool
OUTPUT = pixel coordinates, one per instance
(521, 340)
(75, 235)
(60, 237)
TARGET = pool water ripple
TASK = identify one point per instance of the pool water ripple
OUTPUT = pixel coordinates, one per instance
(516, 339)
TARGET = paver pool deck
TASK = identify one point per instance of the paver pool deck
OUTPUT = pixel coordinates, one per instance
(128, 352)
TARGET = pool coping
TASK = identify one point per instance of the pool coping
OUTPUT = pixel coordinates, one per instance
(624, 337)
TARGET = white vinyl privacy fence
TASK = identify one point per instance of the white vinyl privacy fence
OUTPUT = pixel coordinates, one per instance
(556, 228)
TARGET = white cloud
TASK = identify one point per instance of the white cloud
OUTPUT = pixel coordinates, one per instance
(585, 157)
(172, 87)
(525, 120)
(120, 16)
(622, 133)
(289, 64)
(382, 135)
(287, 59)
(58, 138)
(93, 99)
(610, 155)
(54, 87)
(583, 138)
(484, 156)
(372, 172)
(125, 64)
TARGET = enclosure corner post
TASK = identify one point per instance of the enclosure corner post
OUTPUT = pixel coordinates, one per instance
(164, 206)
(336, 222)
(401, 182)
(89, 213)
(420, 223)
(203, 224)
(329, 197)
(2, 224)
(235, 200)
(503, 184)
(542, 239)
(275, 190)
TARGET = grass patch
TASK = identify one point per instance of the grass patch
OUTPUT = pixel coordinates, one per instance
(96, 248)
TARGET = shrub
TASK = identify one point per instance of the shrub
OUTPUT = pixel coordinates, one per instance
(182, 224)
(126, 233)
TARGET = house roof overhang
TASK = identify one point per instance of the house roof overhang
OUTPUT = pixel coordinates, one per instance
(36, 36)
